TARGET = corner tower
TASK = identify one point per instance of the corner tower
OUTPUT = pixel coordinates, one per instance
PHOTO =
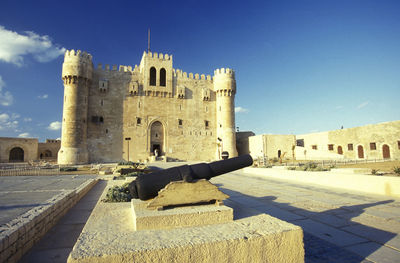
(225, 88)
(76, 75)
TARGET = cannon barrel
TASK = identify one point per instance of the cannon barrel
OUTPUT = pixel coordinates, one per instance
(146, 186)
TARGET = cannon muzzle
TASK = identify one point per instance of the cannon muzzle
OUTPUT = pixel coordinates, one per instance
(146, 186)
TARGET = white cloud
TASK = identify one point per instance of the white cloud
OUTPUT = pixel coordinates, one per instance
(24, 135)
(362, 105)
(44, 96)
(27, 119)
(54, 126)
(4, 117)
(240, 109)
(6, 99)
(13, 46)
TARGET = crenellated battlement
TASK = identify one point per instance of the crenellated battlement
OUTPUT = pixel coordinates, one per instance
(180, 74)
(77, 54)
(120, 68)
(225, 71)
(157, 55)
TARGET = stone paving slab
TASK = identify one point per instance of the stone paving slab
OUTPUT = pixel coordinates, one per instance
(19, 194)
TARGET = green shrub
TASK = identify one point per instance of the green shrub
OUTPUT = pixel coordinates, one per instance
(396, 170)
(292, 168)
(68, 169)
(374, 171)
(118, 194)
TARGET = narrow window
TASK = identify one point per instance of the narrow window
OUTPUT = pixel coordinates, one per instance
(330, 147)
(180, 107)
(372, 146)
(398, 144)
(315, 147)
(106, 130)
(153, 76)
(101, 102)
(180, 122)
(163, 77)
(350, 147)
(101, 119)
(207, 123)
(139, 105)
(206, 109)
(138, 120)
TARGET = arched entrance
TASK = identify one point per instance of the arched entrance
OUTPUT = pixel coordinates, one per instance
(16, 155)
(339, 150)
(360, 150)
(157, 137)
(386, 151)
(279, 153)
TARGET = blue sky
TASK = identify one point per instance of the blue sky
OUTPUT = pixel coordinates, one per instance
(301, 66)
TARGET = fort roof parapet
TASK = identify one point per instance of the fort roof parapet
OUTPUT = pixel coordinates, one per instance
(180, 74)
(78, 54)
(157, 55)
(226, 71)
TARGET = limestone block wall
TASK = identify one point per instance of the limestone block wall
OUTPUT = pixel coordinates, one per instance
(29, 148)
(48, 149)
(365, 142)
(279, 146)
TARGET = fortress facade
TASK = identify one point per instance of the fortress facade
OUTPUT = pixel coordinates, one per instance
(114, 114)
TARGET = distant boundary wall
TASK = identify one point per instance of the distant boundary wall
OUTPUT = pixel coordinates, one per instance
(372, 184)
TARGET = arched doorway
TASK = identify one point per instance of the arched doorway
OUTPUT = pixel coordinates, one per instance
(156, 137)
(279, 153)
(16, 155)
(386, 151)
(360, 150)
(339, 150)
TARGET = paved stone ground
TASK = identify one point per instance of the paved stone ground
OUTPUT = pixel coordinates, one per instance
(339, 226)
(18, 194)
(56, 245)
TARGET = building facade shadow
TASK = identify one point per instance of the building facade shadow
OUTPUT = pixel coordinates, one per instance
(329, 235)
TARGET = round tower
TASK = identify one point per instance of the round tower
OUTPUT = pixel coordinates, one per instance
(225, 88)
(76, 75)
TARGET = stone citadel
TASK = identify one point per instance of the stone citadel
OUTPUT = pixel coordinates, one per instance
(148, 108)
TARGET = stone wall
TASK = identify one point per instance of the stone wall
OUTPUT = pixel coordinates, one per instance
(122, 104)
(48, 150)
(370, 139)
(29, 147)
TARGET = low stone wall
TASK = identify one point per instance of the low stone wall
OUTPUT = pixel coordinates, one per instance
(382, 185)
(20, 234)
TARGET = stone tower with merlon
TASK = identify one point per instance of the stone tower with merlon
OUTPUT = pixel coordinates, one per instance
(128, 113)
(225, 88)
(77, 75)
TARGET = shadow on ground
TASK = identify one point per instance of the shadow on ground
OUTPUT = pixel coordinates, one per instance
(58, 242)
(323, 242)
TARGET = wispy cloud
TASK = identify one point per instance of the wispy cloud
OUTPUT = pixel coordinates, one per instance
(43, 97)
(24, 135)
(6, 99)
(362, 105)
(240, 109)
(8, 122)
(54, 126)
(14, 46)
(27, 119)
(339, 107)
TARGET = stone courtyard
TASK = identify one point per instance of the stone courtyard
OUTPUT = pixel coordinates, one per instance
(339, 225)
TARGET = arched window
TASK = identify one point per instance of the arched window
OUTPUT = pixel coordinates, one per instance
(163, 77)
(153, 76)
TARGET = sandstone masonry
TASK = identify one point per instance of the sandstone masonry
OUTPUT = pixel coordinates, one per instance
(146, 108)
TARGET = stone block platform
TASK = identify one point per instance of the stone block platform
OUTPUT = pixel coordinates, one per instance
(144, 218)
(109, 236)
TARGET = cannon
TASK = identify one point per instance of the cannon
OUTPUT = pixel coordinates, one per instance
(147, 186)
